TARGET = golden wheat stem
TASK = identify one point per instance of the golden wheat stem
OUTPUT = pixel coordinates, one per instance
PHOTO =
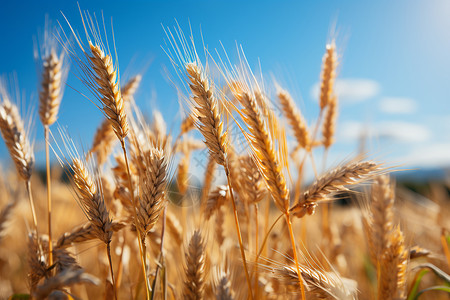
(49, 195)
(294, 249)
(33, 211)
(264, 242)
(138, 231)
(445, 247)
(256, 247)
(161, 258)
(313, 164)
(238, 230)
(326, 209)
(120, 267)
(266, 226)
(108, 253)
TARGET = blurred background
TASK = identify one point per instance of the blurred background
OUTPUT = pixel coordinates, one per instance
(393, 82)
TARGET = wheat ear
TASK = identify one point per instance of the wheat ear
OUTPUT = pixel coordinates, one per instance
(295, 119)
(332, 182)
(320, 285)
(93, 204)
(328, 75)
(329, 122)
(5, 217)
(206, 111)
(187, 124)
(19, 147)
(130, 87)
(108, 89)
(223, 288)
(393, 263)
(105, 137)
(153, 183)
(380, 221)
(84, 233)
(264, 153)
(195, 270)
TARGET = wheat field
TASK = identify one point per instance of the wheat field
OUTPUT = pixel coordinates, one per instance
(125, 218)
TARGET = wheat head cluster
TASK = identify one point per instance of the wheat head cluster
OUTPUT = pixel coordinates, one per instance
(130, 223)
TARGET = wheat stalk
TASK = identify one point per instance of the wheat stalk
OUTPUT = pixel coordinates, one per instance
(54, 74)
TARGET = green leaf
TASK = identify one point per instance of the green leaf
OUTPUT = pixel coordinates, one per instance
(434, 288)
(413, 292)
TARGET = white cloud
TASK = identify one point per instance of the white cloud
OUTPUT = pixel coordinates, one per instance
(397, 105)
(395, 131)
(430, 155)
(351, 89)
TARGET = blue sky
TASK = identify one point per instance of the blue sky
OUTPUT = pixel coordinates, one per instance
(394, 76)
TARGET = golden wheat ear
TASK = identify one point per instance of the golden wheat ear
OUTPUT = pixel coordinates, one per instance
(295, 118)
(319, 284)
(16, 138)
(99, 72)
(105, 137)
(153, 184)
(328, 75)
(334, 181)
(195, 268)
(15, 135)
(53, 66)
